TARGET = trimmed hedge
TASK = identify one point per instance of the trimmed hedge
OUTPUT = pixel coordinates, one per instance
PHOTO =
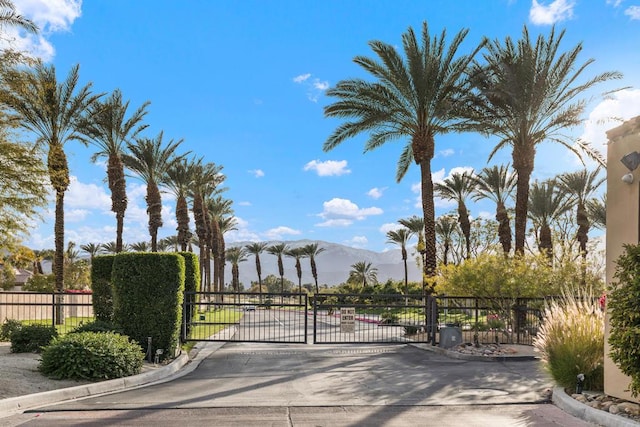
(191, 284)
(31, 338)
(95, 326)
(147, 299)
(101, 267)
(91, 356)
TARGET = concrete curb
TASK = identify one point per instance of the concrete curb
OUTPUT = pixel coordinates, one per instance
(12, 405)
(462, 356)
(571, 406)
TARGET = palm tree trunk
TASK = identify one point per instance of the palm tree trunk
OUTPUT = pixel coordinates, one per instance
(583, 237)
(154, 209)
(522, 157)
(465, 226)
(504, 228)
(546, 243)
(314, 273)
(182, 217)
(423, 150)
(117, 185)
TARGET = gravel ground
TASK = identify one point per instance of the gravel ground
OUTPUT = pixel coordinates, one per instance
(19, 374)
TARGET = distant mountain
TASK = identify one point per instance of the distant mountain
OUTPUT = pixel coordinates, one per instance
(333, 264)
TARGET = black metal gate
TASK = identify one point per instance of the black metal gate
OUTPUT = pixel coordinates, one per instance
(247, 317)
(357, 318)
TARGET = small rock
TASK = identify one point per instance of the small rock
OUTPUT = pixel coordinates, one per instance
(606, 405)
(630, 408)
(613, 409)
(580, 398)
(594, 404)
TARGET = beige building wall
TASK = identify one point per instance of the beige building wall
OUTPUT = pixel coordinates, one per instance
(623, 219)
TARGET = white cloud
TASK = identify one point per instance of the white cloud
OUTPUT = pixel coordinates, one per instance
(89, 196)
(614, 3)
(328, 168)
(447, 152)
(242, 232)
(244, 203)
(258, 173)
(75, 215)
(357, 242)
(52, 16)
(389, 226)
(302, 78)
(556, 11)
(609, 114)
(278, 233)
(633, 12)
(315, 87)
(343, 212)
(375, 192)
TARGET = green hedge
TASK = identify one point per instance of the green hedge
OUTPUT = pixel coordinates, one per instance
(31, 338)
(101, 267)
(147, 299)
(191, 284)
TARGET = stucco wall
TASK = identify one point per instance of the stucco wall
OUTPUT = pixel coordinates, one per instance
(623, 202)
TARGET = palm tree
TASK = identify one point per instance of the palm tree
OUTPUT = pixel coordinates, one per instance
(415, 225)
(10, 18)
(458, 187)
(279, 250)
(445, 228)
(171, 242)
(311, 251)
(224, 224)
(52, 111)
(547, 203)
(111, 248)
(363, 272)
(150, 159)
(497, 184)
(109, 130)
(179, 180)
(581, 185)
(416, 98)
(400, 237)
(297, 254)
(219, 212)
(140, 246)
(597, 209)
(92, 249)
(527, 93)
(256, 249)
(235, 256)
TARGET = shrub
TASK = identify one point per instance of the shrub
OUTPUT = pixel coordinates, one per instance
(8, 328)
(40, 283)
(191, 285)
(95, 326)
(91, 356)
(101, 267)
(623, 303)
(31, 338)
(571, 340)
(389, 318)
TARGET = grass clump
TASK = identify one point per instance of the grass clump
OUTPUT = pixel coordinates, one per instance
(571, 340)
(31, 338)
(91, 356)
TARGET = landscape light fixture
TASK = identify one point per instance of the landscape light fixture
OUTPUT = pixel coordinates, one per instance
(631, 161)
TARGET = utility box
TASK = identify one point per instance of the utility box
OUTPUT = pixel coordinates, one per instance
(450, 336)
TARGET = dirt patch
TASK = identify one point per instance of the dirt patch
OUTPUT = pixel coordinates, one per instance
(19, 374)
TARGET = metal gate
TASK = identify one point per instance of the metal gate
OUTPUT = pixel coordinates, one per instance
(367, 319)
(247, 317)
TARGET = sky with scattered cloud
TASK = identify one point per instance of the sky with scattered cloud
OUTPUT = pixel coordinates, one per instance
(244, 83)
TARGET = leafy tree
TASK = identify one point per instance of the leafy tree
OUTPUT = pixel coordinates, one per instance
(497, 184)
(416, 97)
(597, 209)
(528, 92)
(7, 276)
(150, 159)
(10, 18)
(256, 249)
(109, 129)
(458, 187)
(21, 257)
(52, 111)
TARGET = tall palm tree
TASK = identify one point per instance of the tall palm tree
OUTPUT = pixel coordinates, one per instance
(142, 246)
(150, 159)
(547, 203)
(497, 184)
(256, 249)
(311, 251)
(528, 92)
(363, 272)
(52, 111)
(220, 213)
(445, 228)
(172, 242)
(400, 237)
(417, 98)
(458, 187)
(92, 249)
(224, 224)
(9, 18)
(179, 179)
(581, 185)
(297, 254)
(235, 256)
(279, 250)
(109, 129)
(415, 225)
(111, 248)
(597, 209)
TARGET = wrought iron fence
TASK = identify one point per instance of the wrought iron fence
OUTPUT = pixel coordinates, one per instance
(29, 308)
(247, 317)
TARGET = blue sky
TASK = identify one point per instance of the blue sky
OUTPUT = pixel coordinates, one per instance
(244, 84)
